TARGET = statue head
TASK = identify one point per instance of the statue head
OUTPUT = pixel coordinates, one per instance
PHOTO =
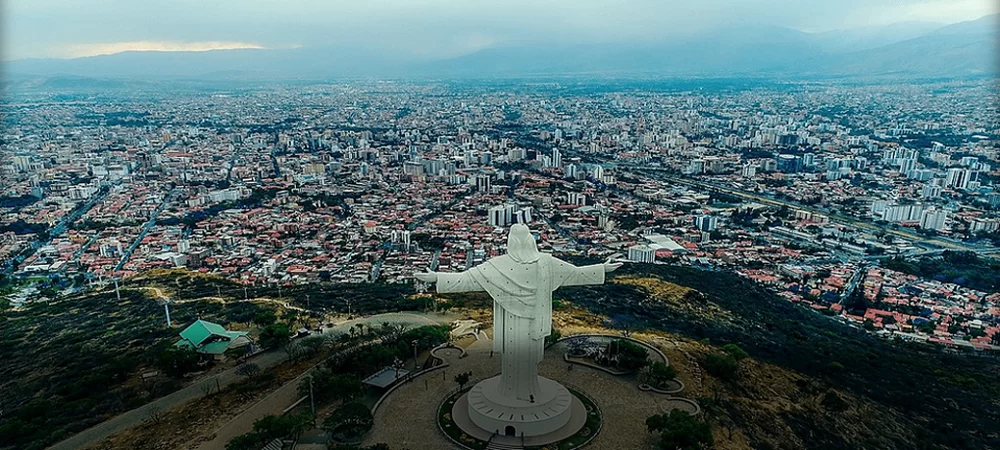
(521, 244)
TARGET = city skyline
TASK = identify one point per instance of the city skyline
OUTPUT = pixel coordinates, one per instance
(442, 224)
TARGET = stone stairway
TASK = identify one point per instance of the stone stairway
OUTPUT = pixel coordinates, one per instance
(493, 445)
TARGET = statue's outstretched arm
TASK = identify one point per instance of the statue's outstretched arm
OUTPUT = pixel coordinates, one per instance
(569, 275)
(451, 282)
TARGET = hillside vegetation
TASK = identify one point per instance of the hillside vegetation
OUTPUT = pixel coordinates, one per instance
(813, 382)
(74, 362)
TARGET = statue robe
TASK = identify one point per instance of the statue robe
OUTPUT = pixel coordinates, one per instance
(522, 309)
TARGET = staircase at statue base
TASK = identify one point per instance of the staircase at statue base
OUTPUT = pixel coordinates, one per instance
(493, 445)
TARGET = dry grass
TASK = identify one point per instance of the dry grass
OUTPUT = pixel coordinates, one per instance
(189, 425)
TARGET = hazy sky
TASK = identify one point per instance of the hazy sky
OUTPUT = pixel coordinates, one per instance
(420, 28)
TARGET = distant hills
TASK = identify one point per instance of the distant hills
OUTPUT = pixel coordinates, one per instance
(914, 49)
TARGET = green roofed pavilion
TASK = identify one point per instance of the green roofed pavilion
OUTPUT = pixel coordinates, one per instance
(211, 338)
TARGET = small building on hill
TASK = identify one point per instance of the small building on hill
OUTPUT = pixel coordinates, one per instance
(212, 340)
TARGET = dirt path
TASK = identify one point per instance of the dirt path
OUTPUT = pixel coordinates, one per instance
(273, 404)
(138, 416)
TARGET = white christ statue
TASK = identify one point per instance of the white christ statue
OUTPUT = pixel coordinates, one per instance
(521, 284)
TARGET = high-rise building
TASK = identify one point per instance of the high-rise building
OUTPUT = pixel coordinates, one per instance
(903, 213)
(980, 224)
(503, 215)
(641, 254)
(907, 165)
(483, 183)
(706, 223)
(994, 199)
(960, 178)
(413, 168)
(572, 170)
(930, 191)
(789, 163)
(933, 219)
(556, 158)
(523, 215)
(496, 217)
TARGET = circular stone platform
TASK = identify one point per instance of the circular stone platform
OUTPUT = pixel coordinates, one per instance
(576, 413)
(495, 413)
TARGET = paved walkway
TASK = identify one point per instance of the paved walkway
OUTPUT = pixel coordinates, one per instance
(138, 416)
(408, 417)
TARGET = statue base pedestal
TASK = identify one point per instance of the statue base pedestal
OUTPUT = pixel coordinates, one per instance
(550, 413)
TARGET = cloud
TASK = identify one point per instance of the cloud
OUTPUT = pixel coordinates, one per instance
(424, 28)
(107, 48)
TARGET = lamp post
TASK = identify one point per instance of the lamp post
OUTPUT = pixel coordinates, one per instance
(414, 343)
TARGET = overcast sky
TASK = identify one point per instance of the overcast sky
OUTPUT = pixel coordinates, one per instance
(420, 28)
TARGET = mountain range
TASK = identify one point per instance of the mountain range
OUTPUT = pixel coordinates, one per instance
(913, 49)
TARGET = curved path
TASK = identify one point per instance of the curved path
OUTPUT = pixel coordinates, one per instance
(138, 416)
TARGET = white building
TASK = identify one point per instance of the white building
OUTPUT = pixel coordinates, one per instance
(706, 223)
(641, 254)
(933, 219)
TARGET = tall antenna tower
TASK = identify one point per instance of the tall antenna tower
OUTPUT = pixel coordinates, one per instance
(166, 301)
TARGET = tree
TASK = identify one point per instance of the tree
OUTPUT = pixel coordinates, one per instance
(735, 351)
(552, 338)
(293, 350)
(329, 386)
(268, 429)
(236, 354)
(154, 414)
(658, 374)
(177, 361)
(721, 366)
(680, 431)
(274, 335)
(248, 370)
(352, 420)
(462, 379)
(249, 441)
(626, 323)
(311, 345)
(278, 427)
(390, 331)
(625, 355)
(834, 402)
(265, 318)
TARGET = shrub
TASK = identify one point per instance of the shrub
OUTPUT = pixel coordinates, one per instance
(177, 361)
(274, 335)
(680, 431)
(351, 420)
(328, 386)
(735, 351)
(625, 355)
(721, 366)
(658, 374)
(834, 402)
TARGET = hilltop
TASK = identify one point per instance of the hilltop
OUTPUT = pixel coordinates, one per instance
(810, 381)
(898, 395)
